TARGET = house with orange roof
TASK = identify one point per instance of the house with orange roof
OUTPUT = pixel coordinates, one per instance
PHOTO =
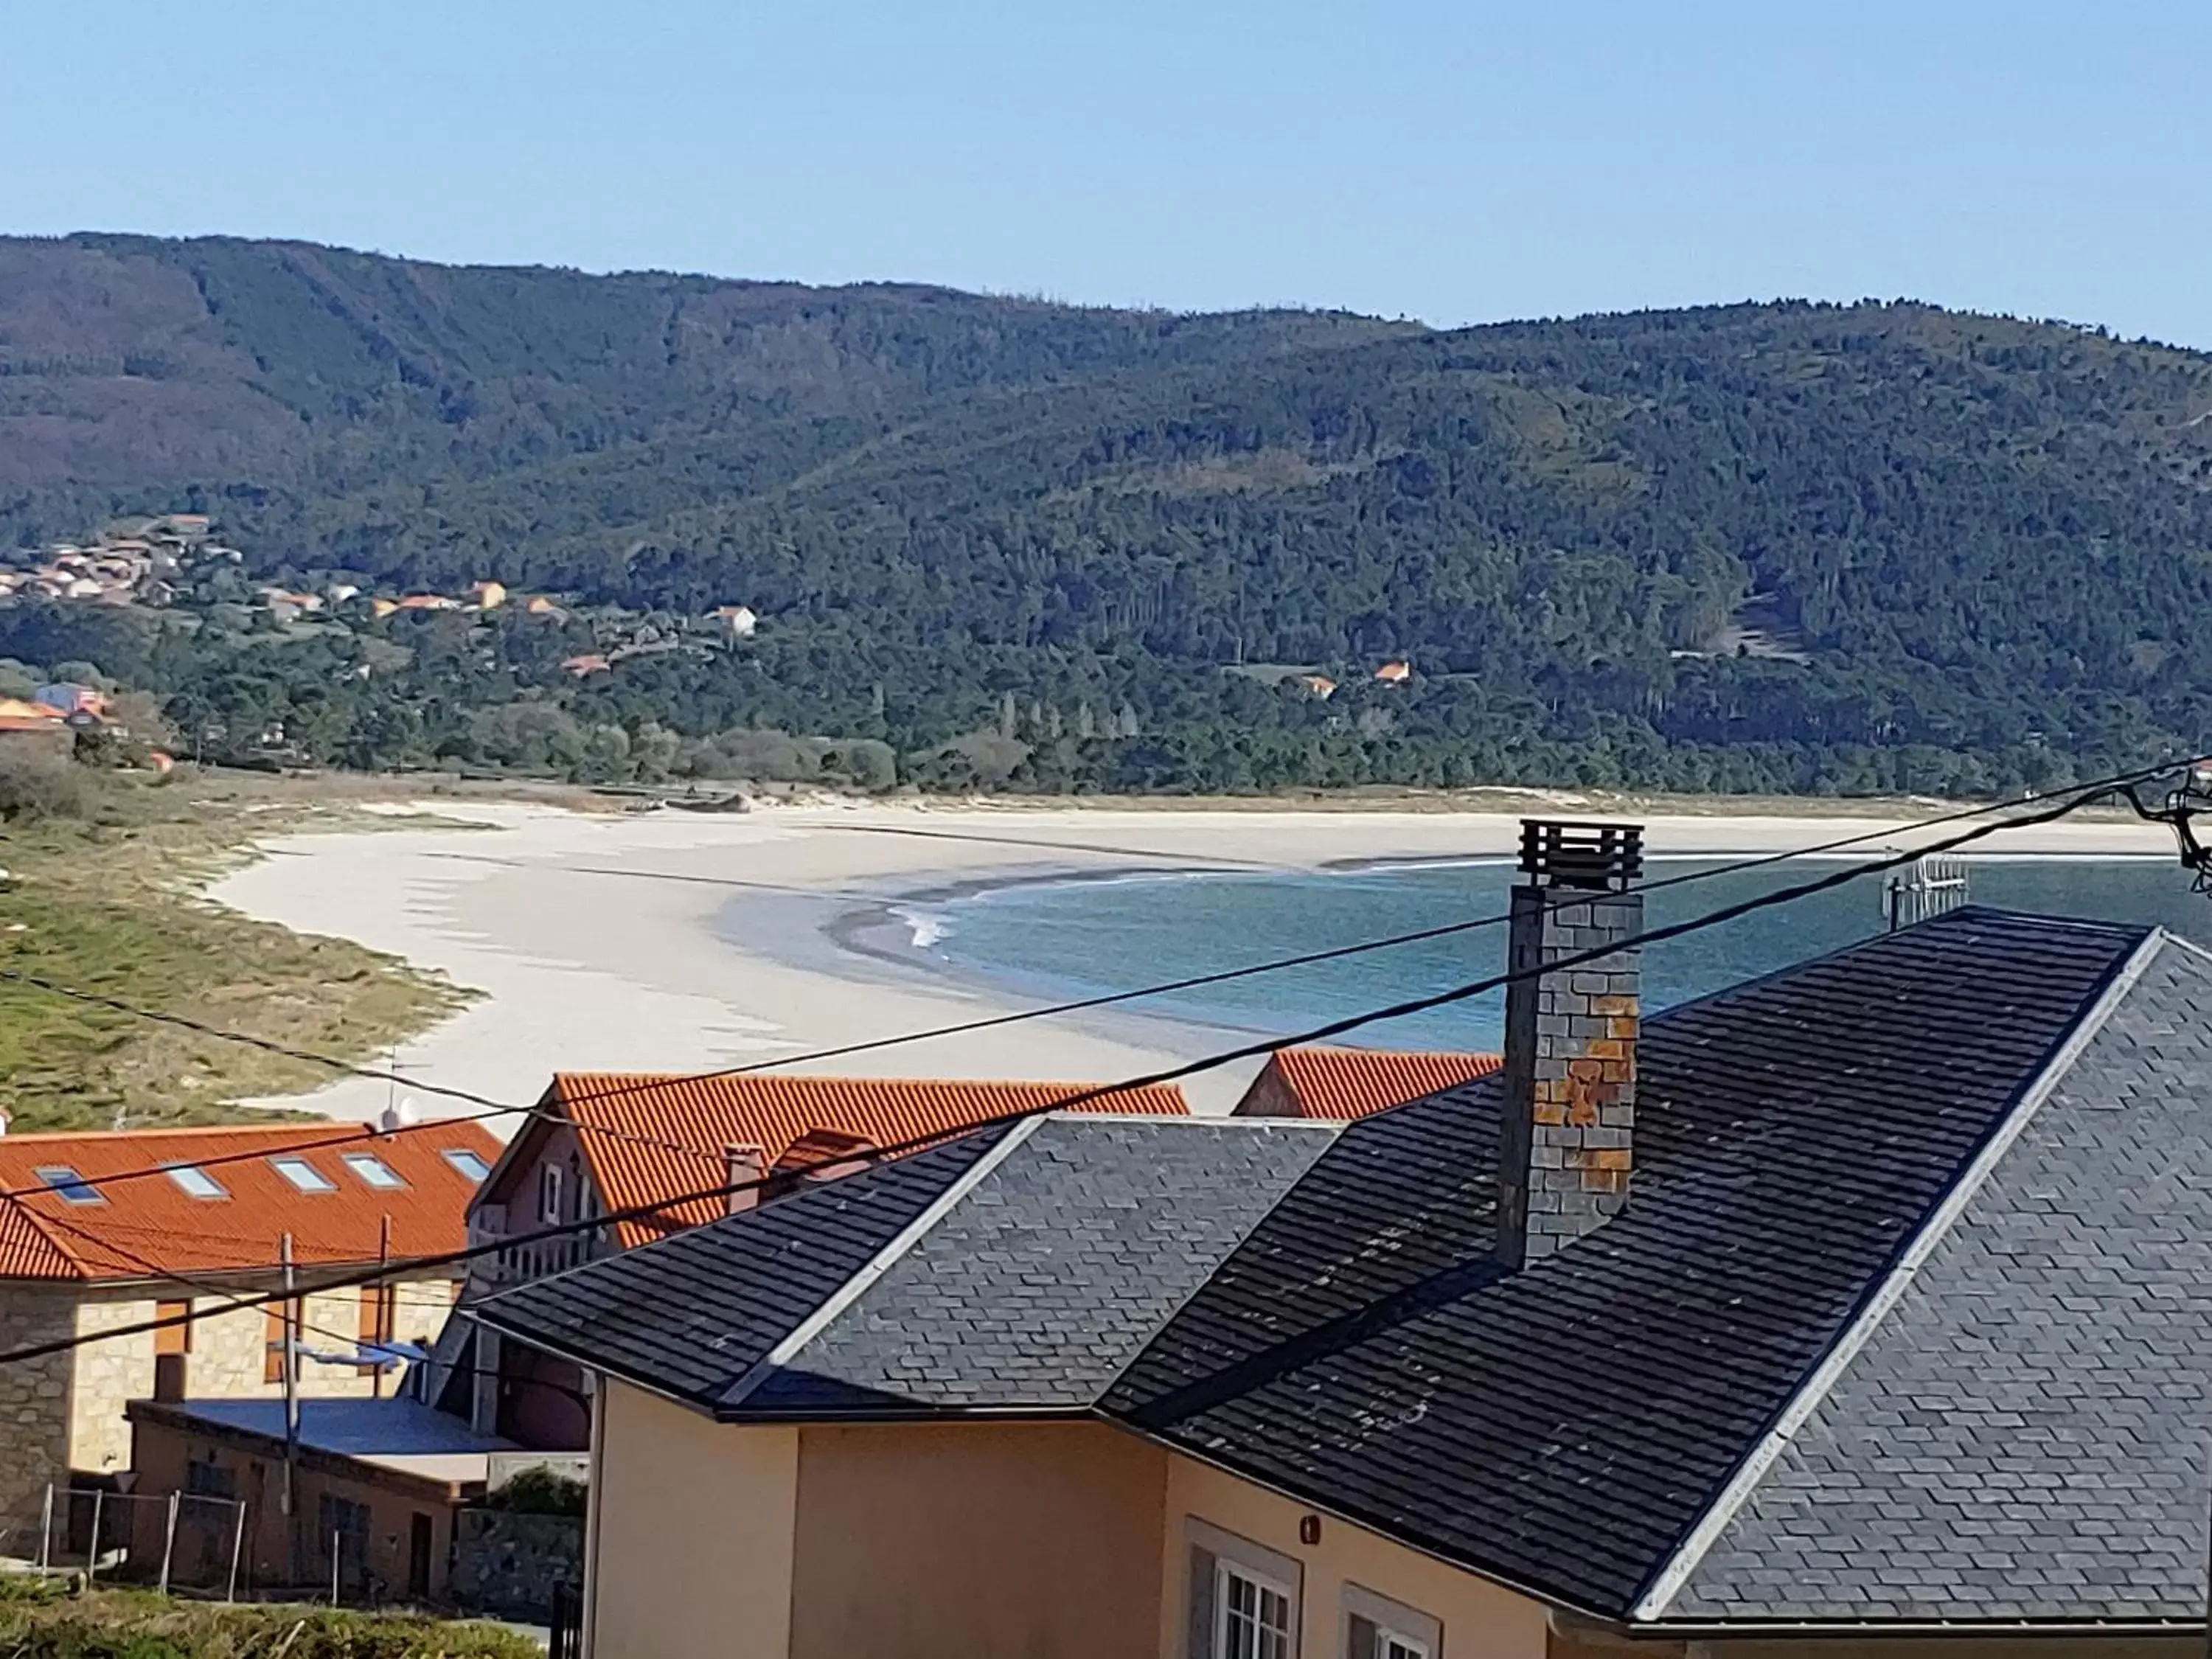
(1395, 673)
(106, 1232)
(1342, 1085)
(606, 1143)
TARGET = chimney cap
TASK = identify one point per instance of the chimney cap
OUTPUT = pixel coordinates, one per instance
(1569, 852)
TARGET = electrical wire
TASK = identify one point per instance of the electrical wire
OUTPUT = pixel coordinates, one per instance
(1168, 1074)
(2095, 788)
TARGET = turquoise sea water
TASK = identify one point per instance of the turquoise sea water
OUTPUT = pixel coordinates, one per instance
(1082, 938)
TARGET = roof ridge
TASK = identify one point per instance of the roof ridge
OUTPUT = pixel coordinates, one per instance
(856, 1285)
(851, 1079)
(1204, 1120)
(1691, 1549)
(2141, 931)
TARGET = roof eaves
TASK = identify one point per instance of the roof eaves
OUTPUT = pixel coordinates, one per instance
(851, 1290)
(1396, 1532)
(1649, 1605)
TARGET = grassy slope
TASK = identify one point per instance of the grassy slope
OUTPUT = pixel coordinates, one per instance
(40, 1620)
(110, 905)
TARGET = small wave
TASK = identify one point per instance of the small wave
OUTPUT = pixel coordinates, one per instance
(928, 927)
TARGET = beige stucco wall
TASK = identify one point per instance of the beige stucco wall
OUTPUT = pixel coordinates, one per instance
(971, 1540)
(693, 1526)
(226, 1362)
(1482, 1620)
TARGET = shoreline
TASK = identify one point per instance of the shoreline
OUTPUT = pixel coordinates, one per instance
(681, 942)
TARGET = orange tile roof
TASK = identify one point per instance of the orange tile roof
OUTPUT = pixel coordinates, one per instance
(154, 1220)
(774, 1112)
(1343, 1084)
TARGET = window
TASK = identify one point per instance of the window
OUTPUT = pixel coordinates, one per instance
(373, 1171)
(378, 1303)
(303, 1174)
(1252, 1615)
(1375, 1627)
(73, 1187)
(196, 1181)
(277, 1339)
(548, 1193)
(171, 1343)
(209, 1479)
(1243, 1599)
(468, 1163)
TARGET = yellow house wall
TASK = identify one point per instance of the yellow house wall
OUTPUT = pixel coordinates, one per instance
(692, 1528)
(1480, 1619)
(227, 1359)
(975, 1540)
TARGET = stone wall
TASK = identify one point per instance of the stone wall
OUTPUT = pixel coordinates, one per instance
(34, 1410)
(507, 1564)
(227, 1359)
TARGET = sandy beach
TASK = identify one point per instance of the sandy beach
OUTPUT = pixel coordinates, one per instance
(675, 941)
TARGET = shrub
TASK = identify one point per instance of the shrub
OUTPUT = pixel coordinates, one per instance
(541, 1491)
(37, 782)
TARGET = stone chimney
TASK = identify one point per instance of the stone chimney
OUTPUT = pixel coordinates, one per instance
(1567, 1143)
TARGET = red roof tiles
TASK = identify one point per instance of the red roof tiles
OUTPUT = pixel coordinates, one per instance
(1343, 1084)
(776, 1113)
(155, 1220)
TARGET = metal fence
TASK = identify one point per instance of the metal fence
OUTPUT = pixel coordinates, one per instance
(183, 1543)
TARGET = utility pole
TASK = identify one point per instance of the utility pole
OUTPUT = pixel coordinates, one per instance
(291, 1410)
(384, 1299)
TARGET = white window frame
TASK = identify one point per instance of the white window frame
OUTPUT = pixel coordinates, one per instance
(301, 1175)
(1284, 1575)
(1400, 1632)
(1226, 1568)
(373, 1172)
(548, 1193)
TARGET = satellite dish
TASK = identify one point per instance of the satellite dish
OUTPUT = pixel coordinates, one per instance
(399, 1114)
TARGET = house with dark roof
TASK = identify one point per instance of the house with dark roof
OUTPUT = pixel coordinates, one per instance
(88, 1245)
(1863, 1308)
(608, 1143)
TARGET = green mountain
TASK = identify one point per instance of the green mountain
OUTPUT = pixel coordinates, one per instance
(1761, 546)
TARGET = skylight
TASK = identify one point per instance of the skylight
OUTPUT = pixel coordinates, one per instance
(196, 1181)
(303, 1174)
(373, 1171)
(468, 1163)
(73, 1187)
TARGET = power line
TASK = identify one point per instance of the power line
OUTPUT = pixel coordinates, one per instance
(1169, 1074)
(2081, 794)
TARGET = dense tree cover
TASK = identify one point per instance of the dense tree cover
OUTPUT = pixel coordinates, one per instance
(1001, 543)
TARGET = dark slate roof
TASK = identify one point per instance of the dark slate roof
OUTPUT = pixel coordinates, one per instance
(1044, 1281)
(2024, 1434)
(1012, 1270)
(1565, 1427)
(690, 1316)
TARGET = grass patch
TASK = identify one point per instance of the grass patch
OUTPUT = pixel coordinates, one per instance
(42, 1620)
(108, 902)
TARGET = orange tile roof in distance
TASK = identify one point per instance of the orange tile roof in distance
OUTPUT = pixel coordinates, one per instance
(1344, 1084)
(775, 1111)
(154, 1219)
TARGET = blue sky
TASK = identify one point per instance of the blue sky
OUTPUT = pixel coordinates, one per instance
(1456, 163)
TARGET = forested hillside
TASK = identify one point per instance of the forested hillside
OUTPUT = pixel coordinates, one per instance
(999, 541)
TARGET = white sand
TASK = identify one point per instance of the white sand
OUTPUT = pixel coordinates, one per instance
(586, 965)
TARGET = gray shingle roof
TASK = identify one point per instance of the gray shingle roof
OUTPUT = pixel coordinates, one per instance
(2025, 1434)
(1037, 1288)
(690, 1315)
(1010, 1270)
(1565, 1427)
